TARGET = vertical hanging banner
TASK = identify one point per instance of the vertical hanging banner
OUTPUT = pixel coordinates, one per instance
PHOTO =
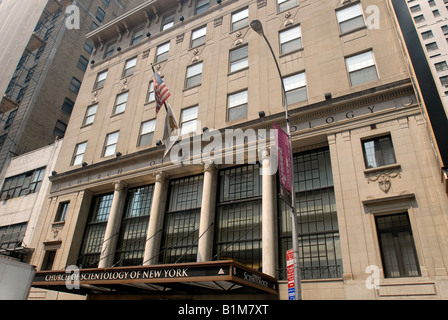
(290, 274)
(284, 164)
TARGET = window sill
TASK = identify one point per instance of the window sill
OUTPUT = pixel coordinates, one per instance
(237, 71)
(390, 167)
(352, 31)
(290, 53)
(58, 224)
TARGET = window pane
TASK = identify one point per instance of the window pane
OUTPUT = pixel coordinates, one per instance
(360, 61)
(181, 229)
(397, 246)
(132, 238)
(363, 76)
(238, 224)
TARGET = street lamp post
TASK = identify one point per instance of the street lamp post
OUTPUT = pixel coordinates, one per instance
(258, 28)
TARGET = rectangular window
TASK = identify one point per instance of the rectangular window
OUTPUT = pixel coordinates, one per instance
(239, 58)
(361, 68)
(100, 14)
(168, 21)
(109, 51)
(318, 230)
(11, 236)
(59, 129)
(83, 63)
(419, 18)
(137, 36)
(431, 46)
(22, 184)
(378, 152)
(120, 103)
(444, 80)
(290, 40)
(202, 5)
(129, 67)
(427, 35)
(93, 239)
(198, 37)
(350, 18)
(88, 46)
(189, 119)
(286, 4)
(68, 105)
(181, 228)
(397, 246)
(295, 87)
(61, 214)
(162, 52)
(194, 75)
(75, 84)
(48, 261)
(237, 105)
(240, 19)
(147, 133)
(441, 66)
(110, 144)
(78, 155)
(132, 237)
(90, 115)
(151, 93)
(238, 218)
(100, 80)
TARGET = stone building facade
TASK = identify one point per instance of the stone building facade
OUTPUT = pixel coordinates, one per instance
(370, 204)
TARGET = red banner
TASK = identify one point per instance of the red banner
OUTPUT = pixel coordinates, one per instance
(284, 164)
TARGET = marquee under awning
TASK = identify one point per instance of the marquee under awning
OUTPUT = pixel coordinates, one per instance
(188, 278)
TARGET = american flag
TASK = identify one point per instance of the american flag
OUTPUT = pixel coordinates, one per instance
(161, 91)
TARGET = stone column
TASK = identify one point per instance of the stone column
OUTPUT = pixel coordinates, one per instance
(154, 232)
(113, 226)
(269, 225)
(206, 227)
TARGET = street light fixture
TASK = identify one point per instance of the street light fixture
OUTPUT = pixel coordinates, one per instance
(257, 26)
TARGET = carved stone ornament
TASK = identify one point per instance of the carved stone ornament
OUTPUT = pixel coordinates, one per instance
(384, 178)
(210, 166)
(55, 229)
(161, 177)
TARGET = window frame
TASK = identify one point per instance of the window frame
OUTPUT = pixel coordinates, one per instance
(144, 135)
(189, 121)
(378, 154)
(246, 104)
(362, 68)
(296, 39)
(107, 144)
(129, 70)
(99, 84)
(240, 23)
(297, 88)
(202, 38)
(161, 57)
(193, 77)
(348, 7)
(89, 115)
(120, 106)
(77, 154)
(235, 62)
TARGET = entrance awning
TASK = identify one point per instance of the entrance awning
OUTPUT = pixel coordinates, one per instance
(188, 278)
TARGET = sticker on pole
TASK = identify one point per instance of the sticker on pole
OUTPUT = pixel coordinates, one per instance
(290, 274)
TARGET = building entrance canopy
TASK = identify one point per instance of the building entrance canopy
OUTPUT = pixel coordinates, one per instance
(188, 278)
